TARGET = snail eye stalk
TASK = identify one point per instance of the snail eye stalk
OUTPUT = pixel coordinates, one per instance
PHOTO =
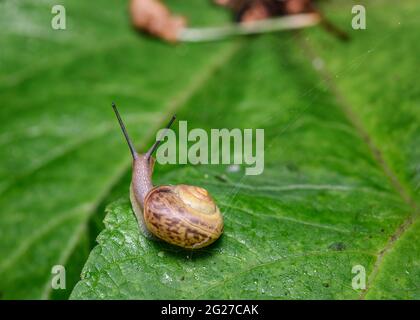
(158, 142)
(124, 130)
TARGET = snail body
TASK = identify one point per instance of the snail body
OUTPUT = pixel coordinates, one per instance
(182, 215)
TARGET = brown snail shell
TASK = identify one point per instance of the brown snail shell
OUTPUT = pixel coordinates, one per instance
(183, 215)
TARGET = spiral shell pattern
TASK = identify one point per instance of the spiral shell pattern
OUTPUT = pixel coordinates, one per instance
(183, 215)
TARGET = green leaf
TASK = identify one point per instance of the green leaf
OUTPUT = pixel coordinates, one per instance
(341, 179)
(61, 151)
(340, 185)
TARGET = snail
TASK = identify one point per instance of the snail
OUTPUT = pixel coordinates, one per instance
(182, 215)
